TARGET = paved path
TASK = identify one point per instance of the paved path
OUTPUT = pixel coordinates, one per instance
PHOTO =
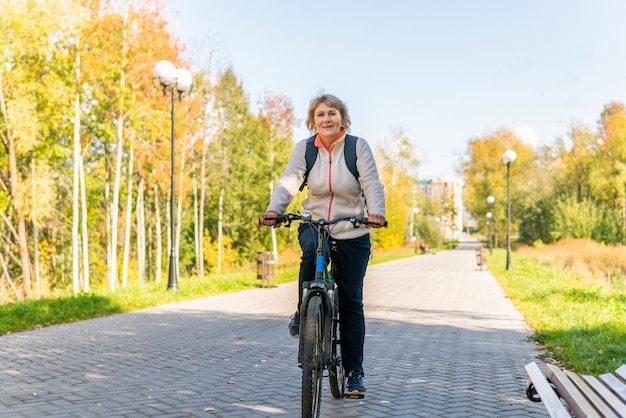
(442, 341)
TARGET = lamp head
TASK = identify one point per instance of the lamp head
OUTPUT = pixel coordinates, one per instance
(183, 81)
(509, 156)
(491, 199)
(165, 73)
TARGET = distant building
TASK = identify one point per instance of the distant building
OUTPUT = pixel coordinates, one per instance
(448, 194)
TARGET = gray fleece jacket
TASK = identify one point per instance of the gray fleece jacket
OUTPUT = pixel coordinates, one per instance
(332, 189)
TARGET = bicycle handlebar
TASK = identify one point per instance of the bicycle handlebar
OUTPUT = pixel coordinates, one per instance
(357, 221)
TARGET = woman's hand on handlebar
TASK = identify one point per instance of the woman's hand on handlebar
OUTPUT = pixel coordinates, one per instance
(378, 219)
(269, 222)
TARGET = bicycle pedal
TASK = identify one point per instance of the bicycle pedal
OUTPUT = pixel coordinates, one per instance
(354, 395)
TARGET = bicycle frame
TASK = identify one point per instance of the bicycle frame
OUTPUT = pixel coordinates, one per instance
(322, 286)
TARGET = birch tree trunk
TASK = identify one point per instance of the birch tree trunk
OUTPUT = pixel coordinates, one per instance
(14, 191)
(109, 223)
(115, 204)
(75, 198)
(168, 212)
(35, 236)
(141, 234)
(179, 209)
(149, 250)
(219, 231)
(129, 206)
(7, 277)
(196, 227)
(159, 243)
(118, 165)
(201, 210)
(84, 231)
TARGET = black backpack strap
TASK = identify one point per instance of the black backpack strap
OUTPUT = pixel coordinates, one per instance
(310, 155)
(349, 153)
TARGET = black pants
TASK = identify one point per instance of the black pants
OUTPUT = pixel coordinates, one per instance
(351, 258)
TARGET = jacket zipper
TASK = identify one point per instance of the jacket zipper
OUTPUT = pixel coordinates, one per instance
(330, 184)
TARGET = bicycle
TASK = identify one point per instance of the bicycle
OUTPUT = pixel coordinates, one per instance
(319, 316)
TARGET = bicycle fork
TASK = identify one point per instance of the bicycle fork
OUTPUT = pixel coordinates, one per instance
(325, 291)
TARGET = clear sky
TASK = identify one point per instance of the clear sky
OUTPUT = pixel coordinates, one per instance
(442, 71)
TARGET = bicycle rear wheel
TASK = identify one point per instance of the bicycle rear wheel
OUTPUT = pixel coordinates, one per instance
(312, 358)
(336, 373)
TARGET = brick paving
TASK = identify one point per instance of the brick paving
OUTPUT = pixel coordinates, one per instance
(442, 341)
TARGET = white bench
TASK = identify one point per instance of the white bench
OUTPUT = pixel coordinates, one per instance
(585, 396)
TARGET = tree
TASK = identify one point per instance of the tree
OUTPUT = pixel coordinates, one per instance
(239, 159)
(577, 163)
(398, 171)
(278, 114)
(32, 33)
(484, 175)
(612, 172)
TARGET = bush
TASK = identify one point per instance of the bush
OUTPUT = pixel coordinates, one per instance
(586, 219)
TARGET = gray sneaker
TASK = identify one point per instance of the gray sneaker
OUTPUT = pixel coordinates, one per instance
(355, 388)
(294, 325)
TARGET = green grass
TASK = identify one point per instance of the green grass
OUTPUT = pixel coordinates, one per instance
(580, 324)
(49, 311)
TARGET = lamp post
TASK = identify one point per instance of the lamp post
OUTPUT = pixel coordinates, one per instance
(176, 83)
(414, 232)
(490, 200)
(508, 158)
(489, 215)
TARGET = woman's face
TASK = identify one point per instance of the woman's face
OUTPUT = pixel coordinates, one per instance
(327, 122)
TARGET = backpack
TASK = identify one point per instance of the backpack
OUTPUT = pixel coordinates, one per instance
(349, 153)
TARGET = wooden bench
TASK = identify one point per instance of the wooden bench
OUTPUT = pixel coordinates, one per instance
(585, 396)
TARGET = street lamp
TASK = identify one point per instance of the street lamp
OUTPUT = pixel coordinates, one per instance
(176, 83)
(508, 158)
(489, 215)
(490, 200)
(414, 232)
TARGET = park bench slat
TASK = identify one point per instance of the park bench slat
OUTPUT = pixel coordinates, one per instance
(591, 396)
(605, 393)
(568, 391)
(548, 397)
(615, 384)
(584, 396)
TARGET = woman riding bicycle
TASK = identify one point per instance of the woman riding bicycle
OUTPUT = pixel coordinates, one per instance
(334, 191)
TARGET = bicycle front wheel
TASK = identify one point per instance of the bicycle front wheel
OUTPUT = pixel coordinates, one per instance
(312, 358)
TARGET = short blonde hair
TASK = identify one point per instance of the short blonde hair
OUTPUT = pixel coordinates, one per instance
(332, 101)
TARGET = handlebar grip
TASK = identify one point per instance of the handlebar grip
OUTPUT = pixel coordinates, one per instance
(267, 219)
(379, 225)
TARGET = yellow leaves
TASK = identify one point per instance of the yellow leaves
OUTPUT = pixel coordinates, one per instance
(36, 192)
(23, 123)
(31, 27)
(229, 255)
(484, 172)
